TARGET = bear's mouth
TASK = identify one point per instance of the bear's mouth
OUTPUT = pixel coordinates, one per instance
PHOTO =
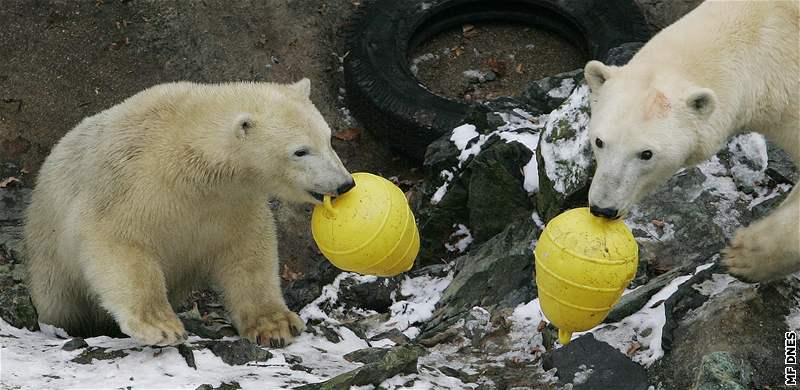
(316, 195)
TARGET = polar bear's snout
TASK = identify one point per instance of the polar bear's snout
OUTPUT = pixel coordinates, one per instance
(609, 213)
(347, 186)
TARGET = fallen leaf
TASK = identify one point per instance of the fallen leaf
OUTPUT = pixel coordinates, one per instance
(469, 31)
(657, 223)
(541, 326)
(497, 66)
(348, 134)
(519, 68)
(635, 346)
(457, 51)
(288, 274)
(5, 182)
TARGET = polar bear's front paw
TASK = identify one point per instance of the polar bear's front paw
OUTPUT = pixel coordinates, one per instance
(276, 328)
(749, 260)
(154, 328)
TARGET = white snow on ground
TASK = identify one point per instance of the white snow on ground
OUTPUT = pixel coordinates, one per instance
(753, 147)
(330, 295)
(583, 375)
(418, 300)
(427, 379)
(34, 360)
(464, 239)
(572, 149)
(563, 90)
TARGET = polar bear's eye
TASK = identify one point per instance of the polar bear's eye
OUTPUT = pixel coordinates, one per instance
(646, 155)
(301, 152)
(598, 142)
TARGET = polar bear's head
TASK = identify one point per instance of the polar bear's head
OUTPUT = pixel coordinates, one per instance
(282, 136)
(644, 127)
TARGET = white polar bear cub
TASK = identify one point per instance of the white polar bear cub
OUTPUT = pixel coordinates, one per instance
(167, 192)
(723, 69)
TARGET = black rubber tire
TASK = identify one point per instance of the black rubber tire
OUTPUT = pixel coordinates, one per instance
(389, 101)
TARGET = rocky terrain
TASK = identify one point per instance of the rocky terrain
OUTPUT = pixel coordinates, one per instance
(467, 315)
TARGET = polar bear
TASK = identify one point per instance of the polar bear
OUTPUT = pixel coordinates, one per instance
(723, 69)
(167, 192)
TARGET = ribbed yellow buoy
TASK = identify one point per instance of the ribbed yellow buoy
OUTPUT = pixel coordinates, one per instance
(369, 229)
(583, 264)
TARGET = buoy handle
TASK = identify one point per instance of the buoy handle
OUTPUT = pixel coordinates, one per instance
(326, 202)
(564, 336)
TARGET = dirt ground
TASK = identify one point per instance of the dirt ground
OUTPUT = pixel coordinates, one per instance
(487, 60)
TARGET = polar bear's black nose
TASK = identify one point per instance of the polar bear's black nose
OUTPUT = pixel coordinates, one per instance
(605, 213)
(346, 187)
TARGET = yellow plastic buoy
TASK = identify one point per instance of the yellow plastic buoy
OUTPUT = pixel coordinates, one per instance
(583, 264)
(369, 229)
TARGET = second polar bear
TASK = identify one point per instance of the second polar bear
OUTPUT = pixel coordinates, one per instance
(167, 192)
(723, 69)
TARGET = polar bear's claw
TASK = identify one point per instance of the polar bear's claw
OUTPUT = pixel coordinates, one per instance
(275, 330)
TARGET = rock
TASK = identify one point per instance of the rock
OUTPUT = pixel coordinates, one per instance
(397, 361)
(485, 191)
(723, 371)
(394, 335)
(547, 94)
(212, 327)
(477, 325)
(222, 386)
(565, 159)
(92, 353)
(662, 13)
(300, 292)
(374, 295)
(591, 364)
(780, 166)
(366, 355)
(497, 274)
(13, 202)
(16, 307)
(188, 355)
(496, 195)
(632, 302)
(239, 352)
(749, 320)
(74, 343)
(330, 334)
(623, 53)
(292, 359)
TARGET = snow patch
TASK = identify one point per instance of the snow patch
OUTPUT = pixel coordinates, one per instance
(464, 239)
(567, 155)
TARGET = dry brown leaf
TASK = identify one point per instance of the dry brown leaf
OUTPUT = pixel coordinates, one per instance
(541, 326)
(5, 182)
(635, 346)
(519, 69)
(348, 134)
(657, 223)
(457, 51)
(468, 31)
(497, 66)
(288, 274)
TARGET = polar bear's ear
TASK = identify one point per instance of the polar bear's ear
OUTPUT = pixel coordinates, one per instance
(303, 87)
(701, 101)
(596, 74)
